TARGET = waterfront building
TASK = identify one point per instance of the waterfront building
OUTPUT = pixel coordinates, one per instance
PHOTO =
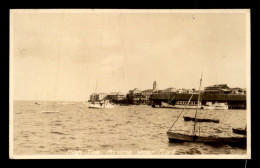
(184, 91)
(147, 93)
(134, 96)
(115, 96)
(238, 91)
(217, 89)
(134, 92)
(170, 90)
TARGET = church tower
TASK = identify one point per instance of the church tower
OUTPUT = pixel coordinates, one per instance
(154, 85)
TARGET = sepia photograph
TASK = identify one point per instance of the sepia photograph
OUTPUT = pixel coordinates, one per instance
(130, 83)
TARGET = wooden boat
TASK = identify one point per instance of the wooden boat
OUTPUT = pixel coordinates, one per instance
(200, 119)
(236, 141)
(239, 131)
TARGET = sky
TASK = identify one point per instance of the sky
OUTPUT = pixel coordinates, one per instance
(68, 56)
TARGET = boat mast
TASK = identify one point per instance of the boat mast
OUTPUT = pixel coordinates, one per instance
(197, 108)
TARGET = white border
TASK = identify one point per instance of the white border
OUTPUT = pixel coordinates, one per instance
(248, 79)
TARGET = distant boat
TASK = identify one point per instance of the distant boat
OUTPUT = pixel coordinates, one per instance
(214, 140)
(101, 105)
(200, 119)
(215, 106)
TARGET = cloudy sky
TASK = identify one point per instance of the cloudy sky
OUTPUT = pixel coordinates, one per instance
(68, 56)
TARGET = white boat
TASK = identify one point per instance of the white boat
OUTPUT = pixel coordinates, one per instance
(187, 105)
(215, 106)
(166, 105)
(101, 105)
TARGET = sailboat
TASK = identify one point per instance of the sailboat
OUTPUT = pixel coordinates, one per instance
(101, 105)
(216, 140)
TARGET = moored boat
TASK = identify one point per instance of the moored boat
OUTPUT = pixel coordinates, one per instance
(187, 105)
(215, 106)
(241, 131)
(200, 119)
(177, 137)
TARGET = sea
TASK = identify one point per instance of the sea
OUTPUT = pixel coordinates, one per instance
(133, 130)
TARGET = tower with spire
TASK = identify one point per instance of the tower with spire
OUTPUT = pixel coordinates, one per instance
(154, 85)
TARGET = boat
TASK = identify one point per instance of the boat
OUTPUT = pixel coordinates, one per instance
(181, 105)
(214, 140)
(187, 105)
(200, 119)
(166, 105)
(234, 141)
(101, 105)
(241, 131)
(215, 106)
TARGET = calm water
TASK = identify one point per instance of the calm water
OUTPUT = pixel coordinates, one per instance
(124, 128)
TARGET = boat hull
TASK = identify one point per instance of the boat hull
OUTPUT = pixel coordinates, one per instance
(200, 119)
(177, 137)
(239, 131)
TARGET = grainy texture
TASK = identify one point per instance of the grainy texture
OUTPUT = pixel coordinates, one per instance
(124, 128)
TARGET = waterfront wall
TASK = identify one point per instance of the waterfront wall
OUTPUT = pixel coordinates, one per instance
(234, 101)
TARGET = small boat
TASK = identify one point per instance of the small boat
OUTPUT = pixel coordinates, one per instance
(187, 105)
(200, 119)
(215, 106)
(236, 141)
(221, 106)
(166, 105)
(241, 131)
(101, 105)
